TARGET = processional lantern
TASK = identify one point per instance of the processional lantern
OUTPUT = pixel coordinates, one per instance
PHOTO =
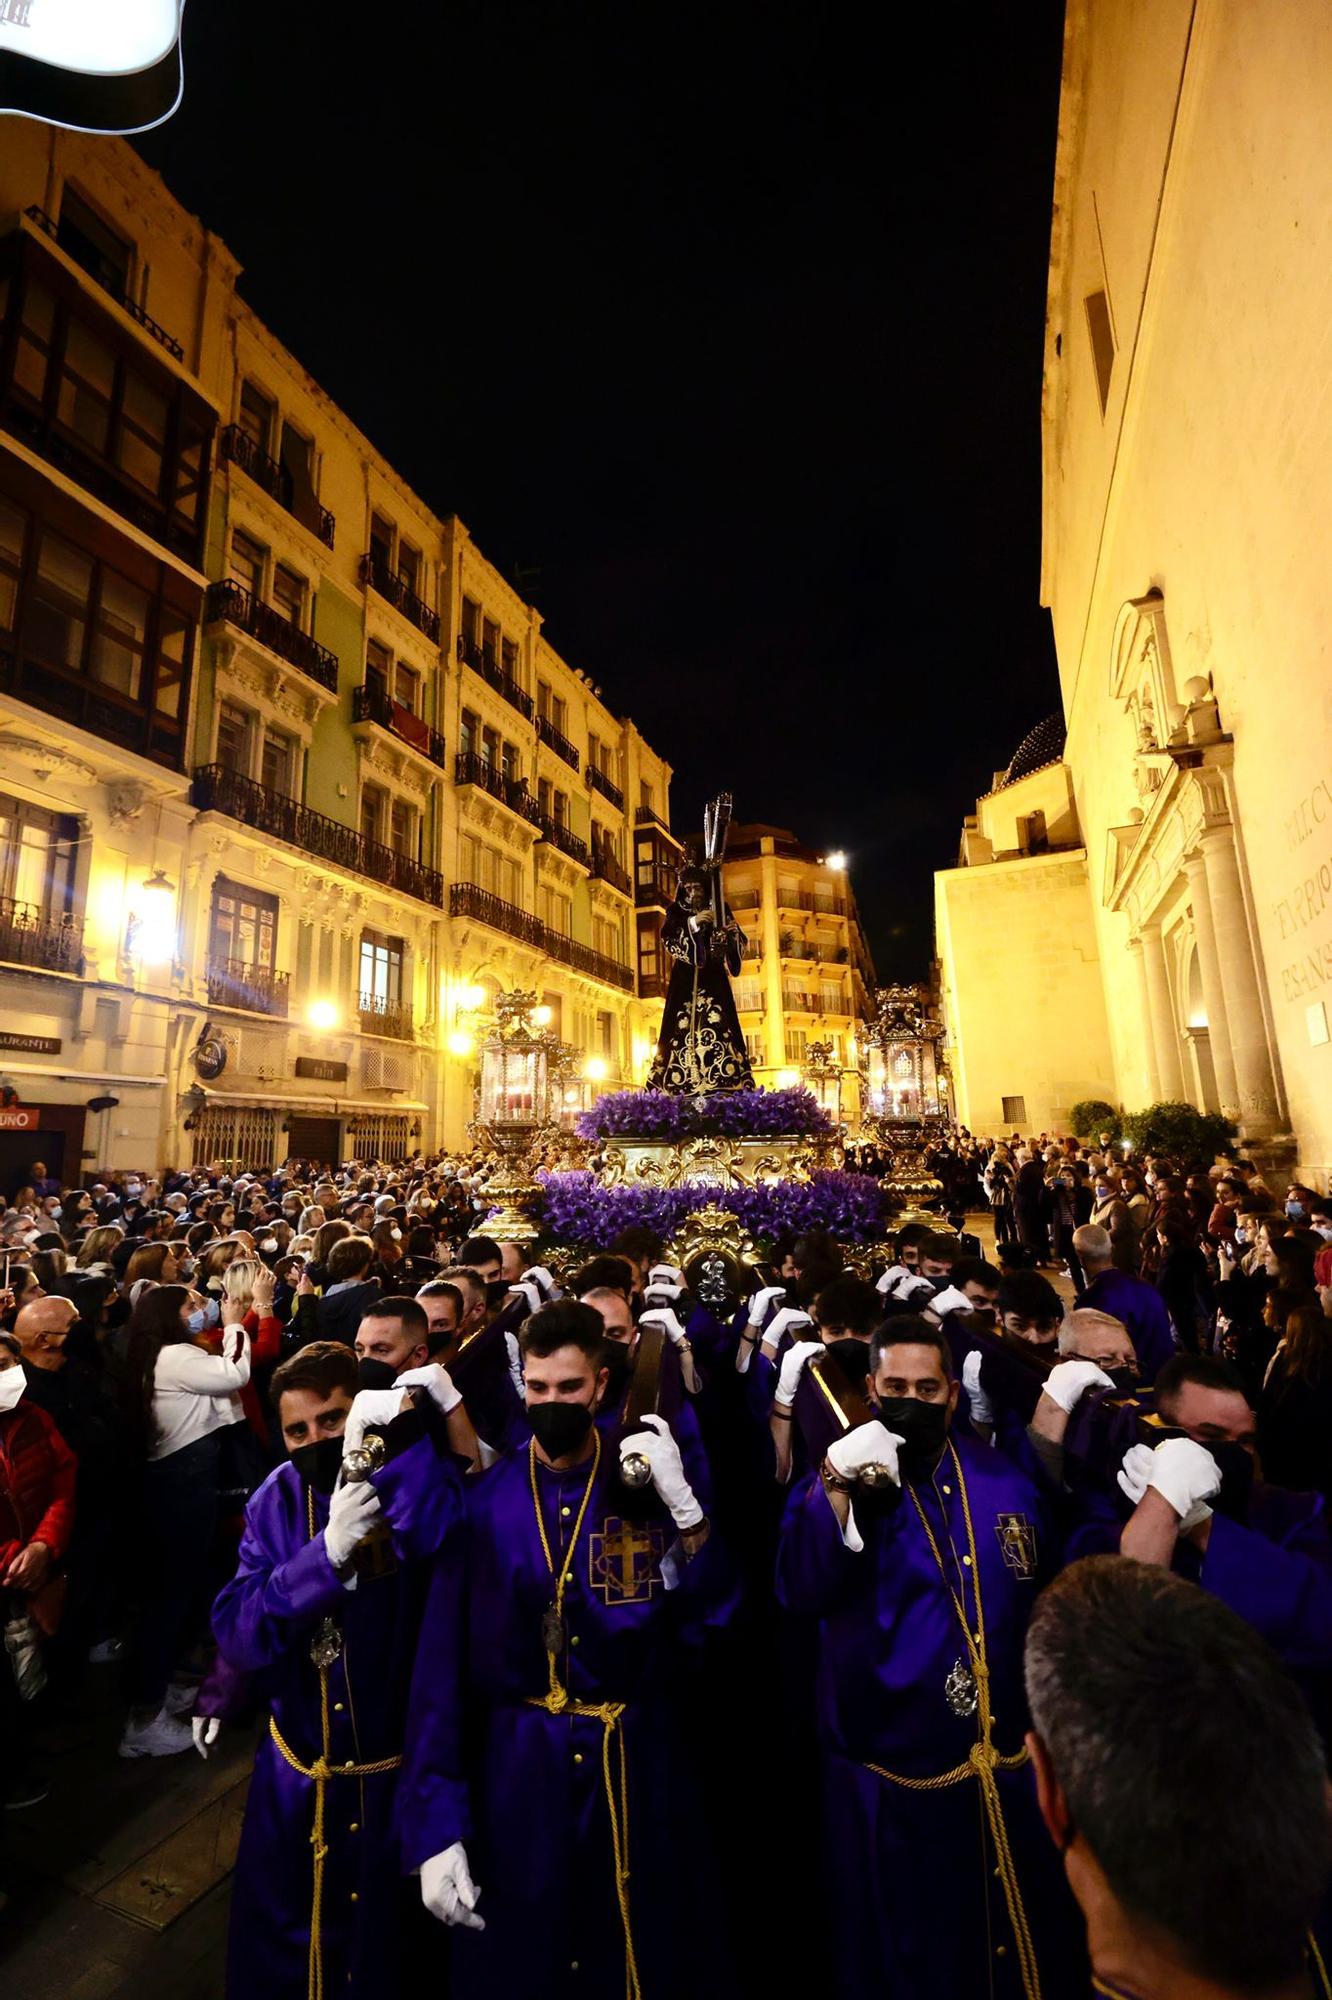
(821, 1071)
(514, 1110)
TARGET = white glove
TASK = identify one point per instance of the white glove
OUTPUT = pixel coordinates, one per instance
(515, 1354)
(665, 1274)
(529, 1292)
(1185, 1474)
(982, 1409)
(787, 1320)
(372, 1409)
(434, 1377)
(662, 1316)
(891, 1278)
(1068, 1382)
(1135, 1472)
(793, 1367)
(539, 1276)
(447, 1888)
(916, 1287)
(204, 1728)
(662, 1453)
(352, 1513)
(868, 1444)
(950, 1300)
(663, 1294)
(759, 1304)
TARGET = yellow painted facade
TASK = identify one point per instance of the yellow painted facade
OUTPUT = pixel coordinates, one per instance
(238, 649)
(807, 975)
(1187, 430)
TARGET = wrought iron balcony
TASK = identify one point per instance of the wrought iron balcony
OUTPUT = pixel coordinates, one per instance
(381, 577)
(31, 936)
(607, 868)
(216, 789)
(567, 841)
(233, 983)
(375, 704)
(556, 741)
(239, 448)
(469, 769)
(386, 1017)
(481, 662)
(466, 899)
(238, 606)
(121, 297)
(606, 786)
(644, 816)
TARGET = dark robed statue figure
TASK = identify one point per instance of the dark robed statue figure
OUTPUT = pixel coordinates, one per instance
(701, 1047)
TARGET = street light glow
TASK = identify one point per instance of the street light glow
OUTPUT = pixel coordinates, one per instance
(322, 1014)
(837, 860)
(596, 1068)
(460, 1043)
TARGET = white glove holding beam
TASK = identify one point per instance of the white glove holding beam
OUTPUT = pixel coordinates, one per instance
(539, 1276)
(435, 1379)
(662, 1453)
(665, 1274)
(1068, 1382)
(663, 1293)
(759, 1305)
(982, 1409)
(372, 1409)
(1186, 1475)
(448, 1891)
(353, 1512)
(204, 1730)
(950, 1299)
(529, 1292)
(868, 1444)
(788, 1320)
(794, 1362)
(669, 1322)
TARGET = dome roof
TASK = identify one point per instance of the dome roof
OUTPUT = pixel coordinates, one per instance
(1042, 745)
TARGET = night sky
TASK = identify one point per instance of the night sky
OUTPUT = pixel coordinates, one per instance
(720, 328)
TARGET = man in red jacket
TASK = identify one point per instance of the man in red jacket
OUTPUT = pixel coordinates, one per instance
(37, 1475)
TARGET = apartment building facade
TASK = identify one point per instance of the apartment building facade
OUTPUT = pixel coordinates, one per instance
(292, 780)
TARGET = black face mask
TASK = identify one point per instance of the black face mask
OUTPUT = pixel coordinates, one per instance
(559, 1428)
(373, 1374)
(922, 1427)
(319, 1463)
(852, 1357)
(1238, 1472)
(1124, 1379)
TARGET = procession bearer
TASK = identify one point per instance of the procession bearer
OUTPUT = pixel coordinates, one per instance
(944, 1882)
(586, 1874)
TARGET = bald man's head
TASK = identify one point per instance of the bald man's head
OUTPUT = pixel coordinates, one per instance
(42, 1329)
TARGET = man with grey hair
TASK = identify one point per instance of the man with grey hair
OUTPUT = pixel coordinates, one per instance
(1152, 1707)
(1127, 1297)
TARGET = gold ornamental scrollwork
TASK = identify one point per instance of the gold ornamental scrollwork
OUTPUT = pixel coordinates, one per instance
(711, 1229)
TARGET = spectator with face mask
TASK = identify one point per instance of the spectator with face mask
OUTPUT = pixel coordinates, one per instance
(38, 1472)
(1295, 1407)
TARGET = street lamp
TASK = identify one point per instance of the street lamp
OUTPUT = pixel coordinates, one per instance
(322, 1014)
(150, 934)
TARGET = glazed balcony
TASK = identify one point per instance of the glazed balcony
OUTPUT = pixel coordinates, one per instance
(493, 674)
(122, 298)
(230, 603)
(380, 576)
(31, 936)
(606, 786)
(233, 983)
(466, 899)
(555, 740)
(216, 789)
(655, 886)
(386, 1017)
(371, 703)
(652, 985)
(237, 447)
(469, 769)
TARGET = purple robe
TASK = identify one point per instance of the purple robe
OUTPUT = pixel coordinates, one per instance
(263, 1621)
(917, 1909)
(541, 1854)
(1129, 1298)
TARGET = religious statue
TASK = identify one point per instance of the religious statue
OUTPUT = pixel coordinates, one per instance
(701, 1048)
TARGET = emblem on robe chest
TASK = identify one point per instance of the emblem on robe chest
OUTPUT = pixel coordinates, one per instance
(1017, 1542)
(374, 1557)
(623, 1561)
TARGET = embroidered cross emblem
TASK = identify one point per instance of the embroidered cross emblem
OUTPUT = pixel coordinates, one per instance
(1017, 1542)
(374, 1557)
(622, 1561)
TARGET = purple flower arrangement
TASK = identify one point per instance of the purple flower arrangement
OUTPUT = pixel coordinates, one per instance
(729, 1114)
(579, 1210)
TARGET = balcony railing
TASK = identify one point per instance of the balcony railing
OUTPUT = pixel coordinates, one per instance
(375, 704)
(561, 836)
(467, 900)
(377, 573)
(239, 607)
(29, 936)
(555, 740)
(216, 789)
(484, 663)
(607, 868)
(233, 983)
(658, 892)
(386, 1017)
(644, 816)
(469, 769)
(606, 786)
(122, 298)
(239, 448)
(802, 899)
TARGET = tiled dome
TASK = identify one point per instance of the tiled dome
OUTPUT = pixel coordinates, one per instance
(1041, 745)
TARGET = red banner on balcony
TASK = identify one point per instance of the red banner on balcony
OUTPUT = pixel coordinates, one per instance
(411, 728)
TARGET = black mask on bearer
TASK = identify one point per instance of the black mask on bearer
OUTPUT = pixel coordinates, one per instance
(372, 1374)
(922, 1428)
(319, 1463)
(1124, 1379)
(559, 1428)
(852, 1357)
